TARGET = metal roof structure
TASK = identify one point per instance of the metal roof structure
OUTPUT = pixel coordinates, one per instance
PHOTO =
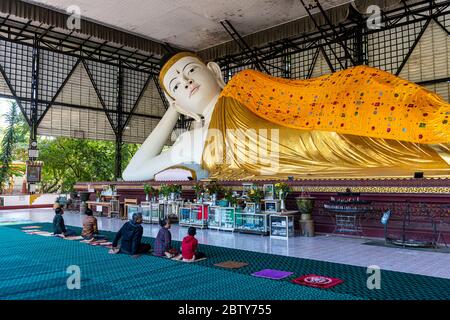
(100, 81)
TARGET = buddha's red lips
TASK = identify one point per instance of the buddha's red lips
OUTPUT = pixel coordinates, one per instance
(194, 90)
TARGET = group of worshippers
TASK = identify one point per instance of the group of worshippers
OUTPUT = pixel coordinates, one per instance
(130, 237)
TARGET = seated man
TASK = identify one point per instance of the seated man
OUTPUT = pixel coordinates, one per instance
(163, 241)
(59, 227)
(131, 234)
(90, 229)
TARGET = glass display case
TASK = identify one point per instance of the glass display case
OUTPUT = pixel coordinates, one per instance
(214, 217)
(256, 223)
(281, 226)
(170, 209)
(221, 218)
(271, 205)
(146, 212)
(227, 215)
(133, 208)
(194, 215)
(155, 213)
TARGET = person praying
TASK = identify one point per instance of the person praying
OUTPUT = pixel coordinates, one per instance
(59, 227)
(130, 236)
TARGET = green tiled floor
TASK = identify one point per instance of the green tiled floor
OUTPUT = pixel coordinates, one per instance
(34, 267)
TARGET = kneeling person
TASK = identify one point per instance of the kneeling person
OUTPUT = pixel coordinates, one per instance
(131, 235)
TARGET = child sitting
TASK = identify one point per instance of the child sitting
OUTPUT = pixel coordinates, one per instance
(189, 247)
(163, 241)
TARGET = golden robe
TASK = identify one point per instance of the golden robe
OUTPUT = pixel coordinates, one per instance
(359, 122)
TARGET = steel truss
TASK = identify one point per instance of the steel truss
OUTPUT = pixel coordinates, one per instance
(36, 75)
(344, 45)
(37, 61)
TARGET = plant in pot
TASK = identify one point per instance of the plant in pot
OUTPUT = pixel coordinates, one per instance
(231, 197)
(305, 204)
(175, 191)
(147, 191)
(214, 189)
(256, 194)
(165, 191)
(199, 190)
(154, 193)
(281, 191)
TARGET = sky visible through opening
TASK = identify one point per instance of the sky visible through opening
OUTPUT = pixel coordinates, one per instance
(4, 107)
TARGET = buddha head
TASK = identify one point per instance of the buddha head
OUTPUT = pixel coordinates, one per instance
(190, 85)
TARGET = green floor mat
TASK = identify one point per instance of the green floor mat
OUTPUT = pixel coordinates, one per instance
(156, 278)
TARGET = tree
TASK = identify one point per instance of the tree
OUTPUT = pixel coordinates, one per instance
(10, 139)
(67, 161)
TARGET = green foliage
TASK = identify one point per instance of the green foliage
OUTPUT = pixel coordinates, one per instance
(305, 205)
(256, 194)
(176, 188)
(198, 188)
(148, 190)
(165, 190)
(214, 188)
(67, 161)
(230, 196)
(284, 188)
(10, 141)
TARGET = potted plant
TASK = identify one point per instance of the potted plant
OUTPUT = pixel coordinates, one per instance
(198, 188)
(154, 192)
(305, 207)
(305, 204)
(256, 194)
(230, 197)
(147, 191)
(214, 189)
(165, 191)
(175, 191)
(281, 191)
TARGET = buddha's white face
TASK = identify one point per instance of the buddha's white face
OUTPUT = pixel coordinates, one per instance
(191, 84)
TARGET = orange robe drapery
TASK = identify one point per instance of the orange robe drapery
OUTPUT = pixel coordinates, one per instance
(360, 122)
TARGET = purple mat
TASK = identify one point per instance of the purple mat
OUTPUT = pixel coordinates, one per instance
(272, 274)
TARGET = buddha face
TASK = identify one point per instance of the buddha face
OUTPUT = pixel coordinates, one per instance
(192, 84)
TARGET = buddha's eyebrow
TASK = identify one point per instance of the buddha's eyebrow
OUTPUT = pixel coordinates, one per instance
(187, 65)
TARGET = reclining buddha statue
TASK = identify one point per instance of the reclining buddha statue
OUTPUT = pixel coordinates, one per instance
(358, 122)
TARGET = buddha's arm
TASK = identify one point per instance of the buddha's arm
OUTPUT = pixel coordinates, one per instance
(154, 143)
(184, 150)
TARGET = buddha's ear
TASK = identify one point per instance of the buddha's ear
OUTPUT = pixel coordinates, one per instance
(174, 105)
(215, 69)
